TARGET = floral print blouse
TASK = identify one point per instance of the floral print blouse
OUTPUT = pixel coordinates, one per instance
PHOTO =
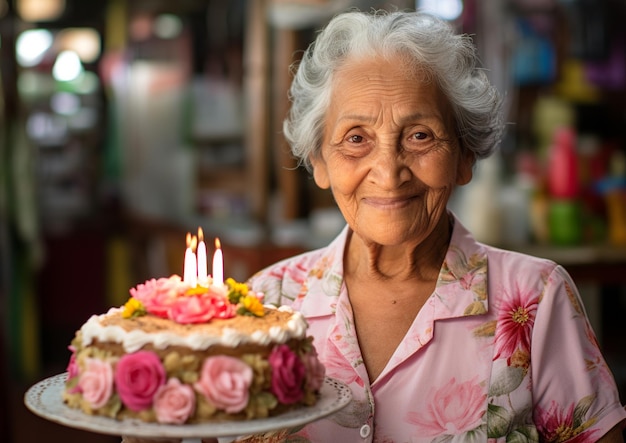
(502, 351)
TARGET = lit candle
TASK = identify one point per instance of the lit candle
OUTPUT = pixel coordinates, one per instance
(218, 264)
(190, 268)
(202, 263)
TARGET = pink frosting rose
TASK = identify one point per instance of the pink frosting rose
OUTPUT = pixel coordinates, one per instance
(137, 377)
(288, 373)
(200, 309)
(72, 367)
(225, 382)
(223, 308)
(315, 370)
(157, 296)
(174, 402)
(96, 382)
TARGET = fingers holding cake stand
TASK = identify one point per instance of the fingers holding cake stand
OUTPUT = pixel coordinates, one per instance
(45, 400)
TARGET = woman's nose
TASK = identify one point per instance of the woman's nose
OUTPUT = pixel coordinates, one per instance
(389, 168)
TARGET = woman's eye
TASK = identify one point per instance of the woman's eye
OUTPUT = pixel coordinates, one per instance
(420, 141)
(355, 139)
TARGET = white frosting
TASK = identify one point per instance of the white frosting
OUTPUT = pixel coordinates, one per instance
(136, 339)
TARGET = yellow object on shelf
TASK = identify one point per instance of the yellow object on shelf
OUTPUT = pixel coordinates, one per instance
(573, 85)
(616, 211)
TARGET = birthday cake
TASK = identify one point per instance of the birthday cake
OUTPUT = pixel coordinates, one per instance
(180, 353)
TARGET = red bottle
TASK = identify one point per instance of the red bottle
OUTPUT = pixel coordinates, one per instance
(563, 181)
(564, 211)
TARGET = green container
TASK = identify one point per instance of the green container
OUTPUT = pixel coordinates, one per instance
(565, 222)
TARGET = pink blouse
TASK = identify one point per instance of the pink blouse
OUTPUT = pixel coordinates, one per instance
(501, 350)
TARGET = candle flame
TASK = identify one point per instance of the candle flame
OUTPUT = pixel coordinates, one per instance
(192, 242)
(218, 245)
(200, 234)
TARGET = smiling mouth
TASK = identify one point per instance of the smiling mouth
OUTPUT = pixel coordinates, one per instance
(390, 203)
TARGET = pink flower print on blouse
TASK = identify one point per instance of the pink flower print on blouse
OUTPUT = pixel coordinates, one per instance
(558, 425)
(277, 271)
(320, 267)
(336, 367)
(516, 319)
(297, 275)
(454, 409)
(464, 277)
(294, 271)
(282, 284)
(470, 272)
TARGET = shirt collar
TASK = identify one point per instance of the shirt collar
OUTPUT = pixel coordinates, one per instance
(462, 284)
(461, 288)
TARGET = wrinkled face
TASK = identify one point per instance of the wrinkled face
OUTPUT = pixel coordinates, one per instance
(390, 154)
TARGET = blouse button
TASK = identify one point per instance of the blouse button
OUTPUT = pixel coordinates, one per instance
(365, 431)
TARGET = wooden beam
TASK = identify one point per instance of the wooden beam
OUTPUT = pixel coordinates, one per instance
(256, 93)
(284, 48)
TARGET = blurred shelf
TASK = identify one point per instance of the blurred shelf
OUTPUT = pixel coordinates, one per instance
(598, 263)
(577, 255)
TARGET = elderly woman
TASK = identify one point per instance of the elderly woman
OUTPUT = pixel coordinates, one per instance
(440, 338)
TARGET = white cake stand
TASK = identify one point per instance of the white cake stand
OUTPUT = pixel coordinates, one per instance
(45, 400)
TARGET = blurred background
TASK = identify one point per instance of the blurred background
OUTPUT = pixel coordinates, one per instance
(126, 124)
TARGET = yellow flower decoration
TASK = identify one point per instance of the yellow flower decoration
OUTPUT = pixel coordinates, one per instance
(235, 286)
(197, 290)
(236, 291)
(133, 308)
(251, 305)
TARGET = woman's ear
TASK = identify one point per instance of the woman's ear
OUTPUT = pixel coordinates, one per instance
(465, 169)
(320, 171)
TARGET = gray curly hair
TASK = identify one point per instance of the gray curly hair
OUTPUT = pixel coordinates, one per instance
(429, 43)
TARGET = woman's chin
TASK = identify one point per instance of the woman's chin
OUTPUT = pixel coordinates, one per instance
(389, 235)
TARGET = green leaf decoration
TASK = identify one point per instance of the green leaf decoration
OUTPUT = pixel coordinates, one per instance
(262, 372)
(114, 406)
(234, 297)
(260, 405)
(499, 421)
(581, 409)
(517, 437)
(243, 311)
(487, 329)
(506, 381)
(523, 434)
(477, 435)
(475, 308)
(204, 408)
(332, 285)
